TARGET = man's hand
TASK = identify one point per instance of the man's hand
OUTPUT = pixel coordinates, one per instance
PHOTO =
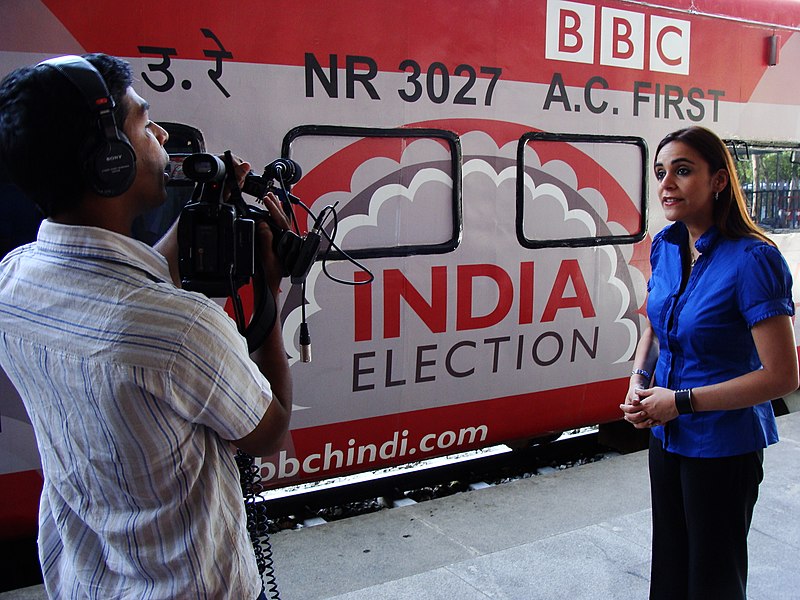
(272, 267)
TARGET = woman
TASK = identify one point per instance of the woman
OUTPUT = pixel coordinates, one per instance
(718, 347)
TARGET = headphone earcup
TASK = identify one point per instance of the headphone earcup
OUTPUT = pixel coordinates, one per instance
(111, 167)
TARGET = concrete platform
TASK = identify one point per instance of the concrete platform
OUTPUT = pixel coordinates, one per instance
(582, 533)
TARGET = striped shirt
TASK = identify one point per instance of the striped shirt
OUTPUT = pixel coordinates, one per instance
(132, 386)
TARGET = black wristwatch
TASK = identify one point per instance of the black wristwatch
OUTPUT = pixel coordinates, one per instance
(683, 402)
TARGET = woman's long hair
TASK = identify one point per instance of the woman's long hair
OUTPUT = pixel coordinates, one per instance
(730, 208)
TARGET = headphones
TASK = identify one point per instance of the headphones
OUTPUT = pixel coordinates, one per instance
(110, 166)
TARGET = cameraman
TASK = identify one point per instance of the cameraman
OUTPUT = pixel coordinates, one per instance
(138, 391)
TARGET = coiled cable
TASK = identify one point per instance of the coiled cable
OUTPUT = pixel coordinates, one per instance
(257, 523)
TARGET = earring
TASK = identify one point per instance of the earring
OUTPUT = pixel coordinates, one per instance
(716, 196)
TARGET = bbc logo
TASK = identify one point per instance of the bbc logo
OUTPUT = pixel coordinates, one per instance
(625, 40)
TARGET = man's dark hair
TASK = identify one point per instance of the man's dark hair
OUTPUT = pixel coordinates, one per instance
(47, 129)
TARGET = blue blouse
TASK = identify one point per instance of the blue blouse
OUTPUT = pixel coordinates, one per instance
(704, 333)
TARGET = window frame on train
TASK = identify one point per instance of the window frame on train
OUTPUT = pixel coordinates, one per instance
(449, 138)
(774, 202)
(528, 139)
(183, 140)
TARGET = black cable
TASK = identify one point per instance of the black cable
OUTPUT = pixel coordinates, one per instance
(236, 300)
(319, 221)
(257, 524)
(303, 302)
(249, 472)
(252, 485)
(289, 213)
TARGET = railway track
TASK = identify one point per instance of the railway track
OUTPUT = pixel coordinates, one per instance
(314, 504)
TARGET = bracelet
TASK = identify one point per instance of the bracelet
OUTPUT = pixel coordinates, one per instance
(683, 402)
(643, 373)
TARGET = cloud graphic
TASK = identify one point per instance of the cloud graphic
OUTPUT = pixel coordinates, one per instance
(408, 201)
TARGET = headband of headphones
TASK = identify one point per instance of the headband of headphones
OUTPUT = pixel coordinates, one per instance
(110, 166)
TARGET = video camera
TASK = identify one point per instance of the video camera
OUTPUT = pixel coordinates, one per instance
(216, 231)
(216, 237)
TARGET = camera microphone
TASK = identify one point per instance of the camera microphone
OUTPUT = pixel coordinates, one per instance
(284, 170)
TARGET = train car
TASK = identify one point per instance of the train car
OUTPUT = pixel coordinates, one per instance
(485, 171)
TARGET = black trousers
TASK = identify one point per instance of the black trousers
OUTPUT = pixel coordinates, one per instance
(702, 509)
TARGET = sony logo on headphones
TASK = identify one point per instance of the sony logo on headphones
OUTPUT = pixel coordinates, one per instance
(113, 157)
